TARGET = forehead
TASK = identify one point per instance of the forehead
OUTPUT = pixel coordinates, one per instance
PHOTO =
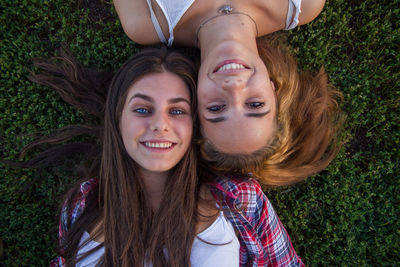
(160, 85)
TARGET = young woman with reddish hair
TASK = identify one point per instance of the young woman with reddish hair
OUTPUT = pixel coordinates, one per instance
(257, 112)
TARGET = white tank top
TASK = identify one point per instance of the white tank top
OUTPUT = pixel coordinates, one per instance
(223, 253)
(174, 10)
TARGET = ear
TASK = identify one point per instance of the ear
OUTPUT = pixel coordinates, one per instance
(272, 85)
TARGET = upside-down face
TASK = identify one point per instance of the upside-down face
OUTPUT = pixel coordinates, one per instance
(237, 102)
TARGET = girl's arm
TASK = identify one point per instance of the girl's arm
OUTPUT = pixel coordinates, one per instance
(135, 20)
(310, 9)
(272, 234)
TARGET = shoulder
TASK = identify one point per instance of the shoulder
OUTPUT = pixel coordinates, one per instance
(275, 15)
(75, 205)
(247, 189)
(253, 199)
(135, 20)
(240, 192)
(310, 9)
(273, 244)
(234, 185)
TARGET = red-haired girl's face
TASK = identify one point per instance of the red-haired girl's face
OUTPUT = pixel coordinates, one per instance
(237, 102)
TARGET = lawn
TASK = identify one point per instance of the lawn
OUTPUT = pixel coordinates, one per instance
(346, 215)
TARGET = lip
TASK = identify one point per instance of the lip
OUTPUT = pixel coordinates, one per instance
(159, 142)
(237, 61)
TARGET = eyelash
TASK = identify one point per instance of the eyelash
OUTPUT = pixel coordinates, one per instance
(216, 108)
(181, 112)
(252, 105)
(255, 105)
(145, 111)
(142, 111)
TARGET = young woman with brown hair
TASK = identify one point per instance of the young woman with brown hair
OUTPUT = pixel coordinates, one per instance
(146, 201)
(257, 112)
(124, 215)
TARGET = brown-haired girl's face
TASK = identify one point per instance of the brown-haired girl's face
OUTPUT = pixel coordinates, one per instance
(237, 102)
(156, 123)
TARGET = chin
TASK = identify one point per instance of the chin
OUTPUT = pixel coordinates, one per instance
(159, 168)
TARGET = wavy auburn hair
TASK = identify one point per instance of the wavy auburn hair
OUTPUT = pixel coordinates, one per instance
(308, 123)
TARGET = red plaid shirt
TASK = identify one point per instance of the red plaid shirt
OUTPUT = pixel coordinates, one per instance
(263, 239)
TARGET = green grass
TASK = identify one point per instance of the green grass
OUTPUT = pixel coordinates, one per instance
(345, 215)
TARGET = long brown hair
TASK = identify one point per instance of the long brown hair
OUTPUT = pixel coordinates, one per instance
(132, 232)
(86, 90)
(117, 207)
(308, 123)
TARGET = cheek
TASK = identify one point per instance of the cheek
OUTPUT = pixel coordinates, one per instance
(264, 134)
(186, 131)
(123, 127)
(204, 87)
(201, 112)
(201, 92)
(130, 128)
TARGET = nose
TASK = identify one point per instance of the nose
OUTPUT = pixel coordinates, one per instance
(233, 84)
(160, 122)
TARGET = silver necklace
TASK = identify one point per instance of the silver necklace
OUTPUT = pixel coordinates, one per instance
(224, 10)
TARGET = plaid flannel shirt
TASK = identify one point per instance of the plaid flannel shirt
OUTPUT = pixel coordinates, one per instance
(263, 239)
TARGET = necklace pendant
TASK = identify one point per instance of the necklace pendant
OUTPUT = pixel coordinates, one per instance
(225, 9)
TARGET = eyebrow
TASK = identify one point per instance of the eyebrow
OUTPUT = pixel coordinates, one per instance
(257, 115)
(177, 100)
(150, 99)
(215, 120)
(254, 115)
(142, 96)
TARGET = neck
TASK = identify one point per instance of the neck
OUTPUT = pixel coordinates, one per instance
(154, 183)
(226, 28)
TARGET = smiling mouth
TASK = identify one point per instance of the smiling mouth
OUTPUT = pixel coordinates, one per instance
(158, 145)
(230, 65)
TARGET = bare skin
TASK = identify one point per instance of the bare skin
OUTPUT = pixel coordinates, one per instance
(270, 16)
(235, 93)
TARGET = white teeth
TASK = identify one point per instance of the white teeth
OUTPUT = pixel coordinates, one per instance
(158, 145)
(233, 66)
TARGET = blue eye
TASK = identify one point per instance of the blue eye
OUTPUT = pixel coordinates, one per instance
(256, 105)
(216, 108)
(177, 112)
(142, 111)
